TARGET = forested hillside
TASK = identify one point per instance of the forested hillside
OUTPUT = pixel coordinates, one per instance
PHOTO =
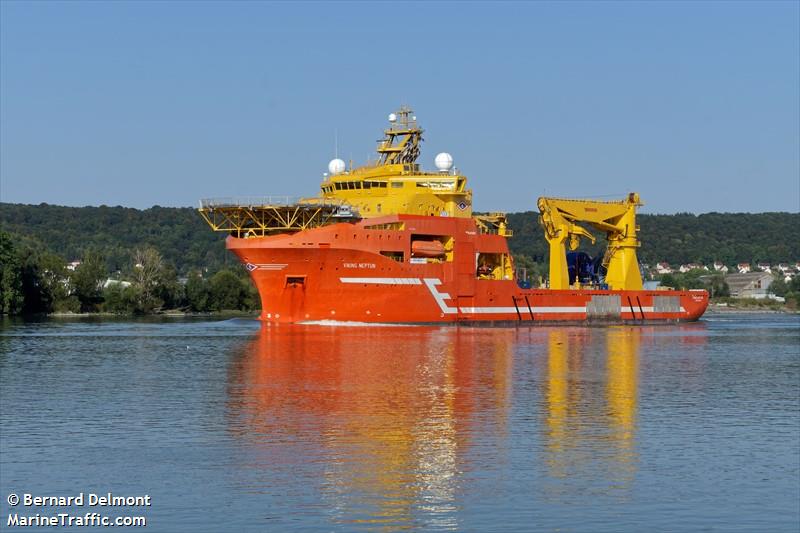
(184, 239)
(179, 234)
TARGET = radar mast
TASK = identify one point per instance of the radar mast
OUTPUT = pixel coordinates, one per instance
(401, 141)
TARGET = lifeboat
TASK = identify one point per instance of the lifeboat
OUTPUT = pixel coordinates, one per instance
(427, 249)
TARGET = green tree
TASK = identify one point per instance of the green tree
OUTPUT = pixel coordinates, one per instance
(119, 299)
(718, 287)
(46, 283)
(87, 281)
(227, 291)
(794, 285)
(38, 297)
(148, 278)
(11, 290)
(170, 291)
(198, 293)
(55, 279)
(790, 290)
(694, 279)
(778, 287)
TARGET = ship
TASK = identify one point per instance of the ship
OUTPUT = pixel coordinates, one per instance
(389, 242)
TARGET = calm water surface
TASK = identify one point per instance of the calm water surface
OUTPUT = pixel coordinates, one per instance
(231, 426)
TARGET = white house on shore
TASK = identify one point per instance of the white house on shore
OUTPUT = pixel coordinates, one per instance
(720, 267)
(663, 268)
(692, 266)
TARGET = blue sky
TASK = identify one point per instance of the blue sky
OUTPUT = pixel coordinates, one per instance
(694, 105)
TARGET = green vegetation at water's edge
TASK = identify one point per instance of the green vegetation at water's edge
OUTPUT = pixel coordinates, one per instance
(754, 304)
(34, 281)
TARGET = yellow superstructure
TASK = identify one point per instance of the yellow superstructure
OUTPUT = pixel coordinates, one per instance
(559, 217)
(395, 183)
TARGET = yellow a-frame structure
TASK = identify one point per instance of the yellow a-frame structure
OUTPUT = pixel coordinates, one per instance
(617, 219)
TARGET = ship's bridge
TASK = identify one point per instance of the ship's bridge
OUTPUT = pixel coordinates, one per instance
(387, 189)
(394, 183)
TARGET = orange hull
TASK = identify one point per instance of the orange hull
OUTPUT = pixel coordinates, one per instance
(337, 272)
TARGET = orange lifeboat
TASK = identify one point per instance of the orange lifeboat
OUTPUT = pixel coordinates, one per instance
(427, 249)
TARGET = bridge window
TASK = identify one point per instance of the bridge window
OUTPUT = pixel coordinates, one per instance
(396, 226)
(397, 185)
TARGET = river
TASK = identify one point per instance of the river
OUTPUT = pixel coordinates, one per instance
(230, 426)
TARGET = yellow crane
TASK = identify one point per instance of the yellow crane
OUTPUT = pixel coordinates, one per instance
(560, 217)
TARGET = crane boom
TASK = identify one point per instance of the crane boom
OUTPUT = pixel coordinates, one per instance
(559, 217)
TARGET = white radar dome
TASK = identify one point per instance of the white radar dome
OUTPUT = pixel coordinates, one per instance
(443, 162)
(392, 117)
(336, 166)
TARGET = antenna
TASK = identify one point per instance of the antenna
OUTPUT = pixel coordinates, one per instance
(336, 143)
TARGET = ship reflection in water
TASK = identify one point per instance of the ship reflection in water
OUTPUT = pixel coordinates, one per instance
(387, 413)
(396, 427)
(591, 420)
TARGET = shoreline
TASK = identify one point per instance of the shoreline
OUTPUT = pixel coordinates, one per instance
(167, 314)
(746, 310)
(727, 307)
